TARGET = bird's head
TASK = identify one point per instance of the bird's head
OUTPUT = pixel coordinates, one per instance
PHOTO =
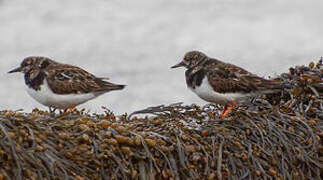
(32, 63)
(192, 59)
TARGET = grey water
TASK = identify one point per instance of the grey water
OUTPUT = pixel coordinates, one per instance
(136, 42)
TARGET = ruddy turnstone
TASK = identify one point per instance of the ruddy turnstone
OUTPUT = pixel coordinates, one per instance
(59, 85)
(223, 83)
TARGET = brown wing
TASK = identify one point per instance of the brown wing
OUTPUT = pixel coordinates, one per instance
(228, 78)
(66, 79)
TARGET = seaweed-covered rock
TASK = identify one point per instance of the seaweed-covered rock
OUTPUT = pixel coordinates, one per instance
(276, 136)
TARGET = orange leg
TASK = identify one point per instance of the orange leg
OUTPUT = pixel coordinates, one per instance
(226, 113)
(69, 109)
(225, 109)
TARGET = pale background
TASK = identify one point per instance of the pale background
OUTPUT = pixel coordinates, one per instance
(135, 42)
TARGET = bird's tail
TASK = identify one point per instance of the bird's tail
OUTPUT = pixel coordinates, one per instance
(108, 86)
(112, 87)
(282, 83)
(119, 87)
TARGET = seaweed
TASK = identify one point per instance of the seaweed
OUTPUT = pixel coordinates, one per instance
(277, 136)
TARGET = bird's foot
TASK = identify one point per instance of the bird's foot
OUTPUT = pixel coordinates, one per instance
(226, 111)
(69, 109)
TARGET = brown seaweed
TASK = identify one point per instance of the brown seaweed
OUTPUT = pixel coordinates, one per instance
(276, 136)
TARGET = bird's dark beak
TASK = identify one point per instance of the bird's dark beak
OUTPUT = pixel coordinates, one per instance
(178, 65)
(18, 69)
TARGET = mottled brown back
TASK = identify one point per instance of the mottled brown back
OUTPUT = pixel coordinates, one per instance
(66, 79)
(228, 78)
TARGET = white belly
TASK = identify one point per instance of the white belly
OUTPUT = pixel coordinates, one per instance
(46, 97)
(206, 92)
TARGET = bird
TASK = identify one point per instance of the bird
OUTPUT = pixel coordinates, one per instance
(61, 86)
(223, 83)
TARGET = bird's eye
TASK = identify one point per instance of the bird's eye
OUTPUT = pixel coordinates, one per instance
(24, 64)
(190, 63)
(44, 64)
